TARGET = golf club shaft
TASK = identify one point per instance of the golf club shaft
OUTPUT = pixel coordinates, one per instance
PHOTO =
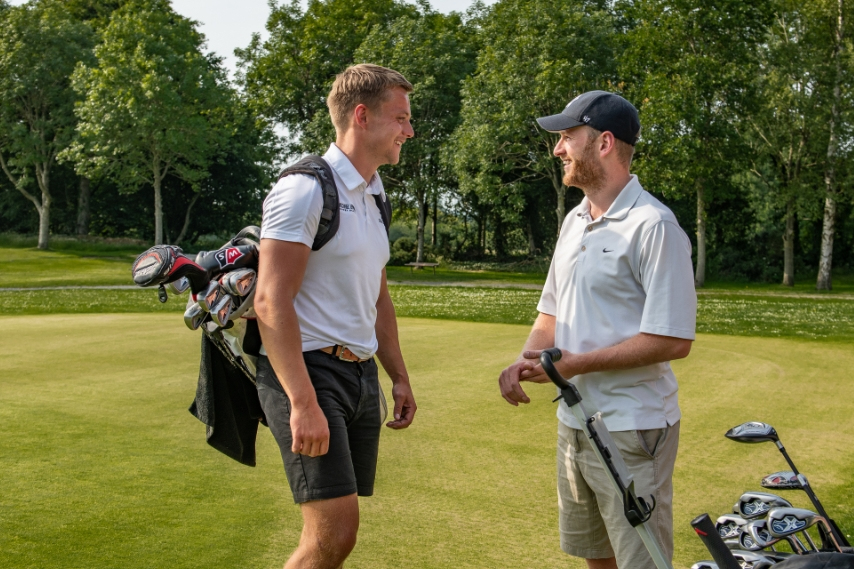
(814, 499)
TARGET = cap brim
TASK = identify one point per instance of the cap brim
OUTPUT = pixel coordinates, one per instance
(558, 122)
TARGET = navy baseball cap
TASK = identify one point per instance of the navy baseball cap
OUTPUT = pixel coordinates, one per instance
(598, 109)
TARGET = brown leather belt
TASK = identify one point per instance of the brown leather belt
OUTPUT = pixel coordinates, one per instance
(343, 353)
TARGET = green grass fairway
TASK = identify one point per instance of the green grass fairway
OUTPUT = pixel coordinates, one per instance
(104, 467)
(34, 268)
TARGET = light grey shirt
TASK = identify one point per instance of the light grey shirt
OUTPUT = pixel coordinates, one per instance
(337, 303)
(627, 272)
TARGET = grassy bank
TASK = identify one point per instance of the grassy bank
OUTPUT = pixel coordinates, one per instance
(104, 467)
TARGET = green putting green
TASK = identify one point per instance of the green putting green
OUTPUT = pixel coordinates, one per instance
(102, 465)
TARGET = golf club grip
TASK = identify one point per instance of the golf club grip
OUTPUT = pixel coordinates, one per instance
(712, 540)
(546, 359)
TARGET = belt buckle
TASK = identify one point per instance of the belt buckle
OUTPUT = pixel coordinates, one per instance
(340, 355)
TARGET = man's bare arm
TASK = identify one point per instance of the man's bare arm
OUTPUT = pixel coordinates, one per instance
(638, 351)
(542, 336)
(391, 358)
(281, 268)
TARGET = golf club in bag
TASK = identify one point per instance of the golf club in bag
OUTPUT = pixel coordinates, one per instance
(636, 509)
(756, 432)
(222, 284)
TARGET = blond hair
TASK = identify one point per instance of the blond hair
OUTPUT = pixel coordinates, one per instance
(364, 84)
(625, 151)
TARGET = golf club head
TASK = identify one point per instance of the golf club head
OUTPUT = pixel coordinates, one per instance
(179, 286)
(753, 432)
(210, 296)
(153, 265)
(221, 311)
(194, 316)
(755, 536)
(752, 560)
(783, 480)
(752, 505)
(785, 522)
(729, 525)
(239, 282)
(704, 565)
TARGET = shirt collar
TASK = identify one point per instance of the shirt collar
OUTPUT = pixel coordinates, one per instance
(348, 173)
(625, 201)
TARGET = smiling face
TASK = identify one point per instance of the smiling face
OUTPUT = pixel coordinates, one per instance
(388, 127)
(582, 167)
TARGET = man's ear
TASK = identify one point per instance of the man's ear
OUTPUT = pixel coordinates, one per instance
(360, 116)
(608, 143)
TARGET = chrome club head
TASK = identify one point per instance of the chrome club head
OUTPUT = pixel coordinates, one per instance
(210, 296)
(755, 536)
(194, 316)
(704, 565)
(239, 282)
(729, 525)
(179, 286)
(783, 480)
(753, 432)
(756, 504)
(751, 560)
(221, 311)
(783, 522)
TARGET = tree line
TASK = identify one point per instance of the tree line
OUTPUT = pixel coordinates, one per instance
(114, 118)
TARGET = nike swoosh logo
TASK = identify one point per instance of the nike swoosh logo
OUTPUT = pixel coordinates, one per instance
(606, 250)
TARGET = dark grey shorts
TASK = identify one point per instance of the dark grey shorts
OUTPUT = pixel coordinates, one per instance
(350, 397)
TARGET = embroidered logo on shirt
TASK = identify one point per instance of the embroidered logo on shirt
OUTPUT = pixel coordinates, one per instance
(606, 250)
(347, 207)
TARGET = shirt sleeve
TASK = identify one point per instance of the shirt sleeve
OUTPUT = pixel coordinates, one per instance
(292, 210)
(548, 302)
(667, 277)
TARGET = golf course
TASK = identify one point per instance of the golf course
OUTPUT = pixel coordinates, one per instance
(104, 467)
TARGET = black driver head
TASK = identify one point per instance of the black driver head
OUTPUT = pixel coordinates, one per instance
(753, 432)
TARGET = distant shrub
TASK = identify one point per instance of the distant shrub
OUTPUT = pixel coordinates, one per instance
(403, 250)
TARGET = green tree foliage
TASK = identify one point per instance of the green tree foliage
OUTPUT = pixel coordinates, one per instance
(40, 44)
(536, 56)
(435, 53)
(287, 77)
(691, 65)
(153, 104)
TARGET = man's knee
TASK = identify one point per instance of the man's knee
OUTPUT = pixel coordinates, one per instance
(331, 528)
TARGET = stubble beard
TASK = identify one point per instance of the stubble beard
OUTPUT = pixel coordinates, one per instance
(586, 173)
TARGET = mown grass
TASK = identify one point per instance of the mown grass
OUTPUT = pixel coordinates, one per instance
(104, 467)
(829, 318)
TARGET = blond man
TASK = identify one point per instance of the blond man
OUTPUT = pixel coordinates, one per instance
(324, 314)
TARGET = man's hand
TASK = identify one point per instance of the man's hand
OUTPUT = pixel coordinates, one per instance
(509, 380)
(536, 374)
(310, 430)
(404, 406)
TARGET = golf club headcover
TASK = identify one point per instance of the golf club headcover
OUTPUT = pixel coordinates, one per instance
(712, 540)
(152, 266)
(818, 561)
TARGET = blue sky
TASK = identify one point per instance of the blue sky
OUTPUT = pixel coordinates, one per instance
(229, 24)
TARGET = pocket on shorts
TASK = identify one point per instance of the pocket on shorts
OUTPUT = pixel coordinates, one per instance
(383, 405)
(651, 440)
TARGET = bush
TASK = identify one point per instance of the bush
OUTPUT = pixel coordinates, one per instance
(403, 250)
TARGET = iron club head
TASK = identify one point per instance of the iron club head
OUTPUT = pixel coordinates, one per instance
(751, 560)
(194, 316)
(755, 536)
(179, 286)
(704, 565)
(210, 296)
(753, 432)
(729, 525)
(756, 504)
(239, 282)
(221, 311)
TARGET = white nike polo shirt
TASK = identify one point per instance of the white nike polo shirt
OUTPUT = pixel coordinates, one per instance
(611, 278)
(337, 301)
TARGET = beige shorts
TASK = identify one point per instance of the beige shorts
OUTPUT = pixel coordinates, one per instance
(592, 522)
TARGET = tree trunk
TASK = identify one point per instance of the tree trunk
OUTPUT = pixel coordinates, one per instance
(434, 232)
(158, 212)
(825, 264)
(83, 214)
(186, 220)
(532, 244)
(700, 275)
(422, 219)
(44, 221)
(789, 245)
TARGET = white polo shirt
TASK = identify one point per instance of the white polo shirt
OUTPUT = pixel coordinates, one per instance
(337, 301)
(627, 272)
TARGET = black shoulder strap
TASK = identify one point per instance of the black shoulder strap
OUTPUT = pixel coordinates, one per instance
(384, 205)
(318, 168)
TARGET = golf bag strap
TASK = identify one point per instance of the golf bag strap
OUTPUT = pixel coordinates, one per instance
(384, 205)
(319, 169)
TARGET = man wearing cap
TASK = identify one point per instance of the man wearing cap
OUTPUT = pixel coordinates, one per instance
(619, 302)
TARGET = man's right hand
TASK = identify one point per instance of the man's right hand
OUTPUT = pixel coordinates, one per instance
(310, 430)
(508, 381)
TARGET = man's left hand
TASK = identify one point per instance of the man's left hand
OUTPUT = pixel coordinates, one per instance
(565, 366)
(404, 406)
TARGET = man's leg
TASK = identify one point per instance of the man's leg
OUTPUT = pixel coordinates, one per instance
(328, 533)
